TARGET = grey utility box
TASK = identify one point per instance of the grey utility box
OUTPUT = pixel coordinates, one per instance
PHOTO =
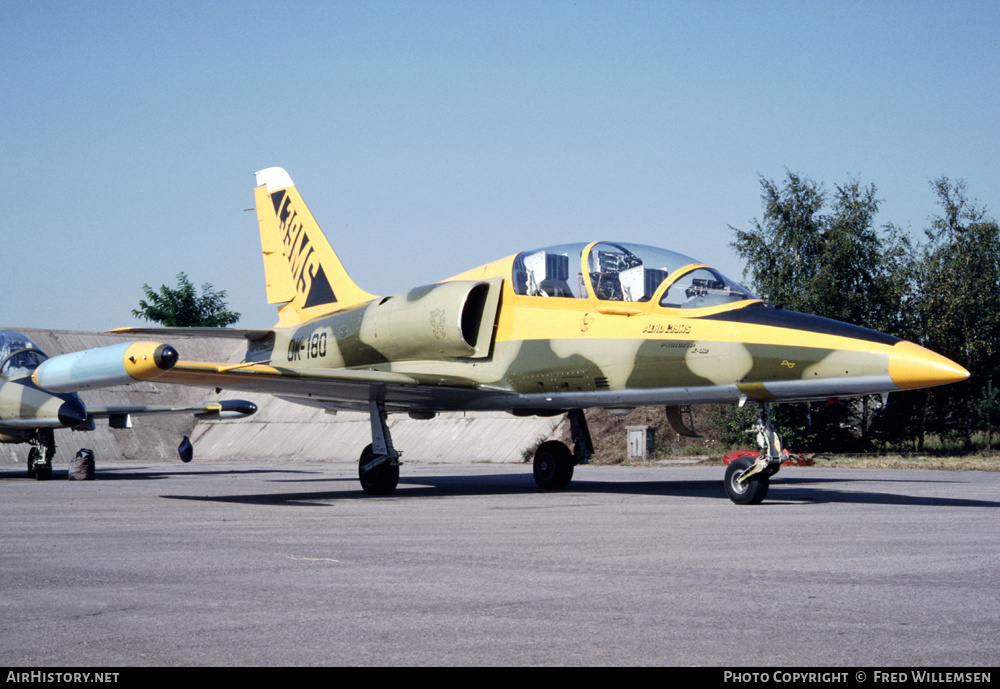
(641, 441)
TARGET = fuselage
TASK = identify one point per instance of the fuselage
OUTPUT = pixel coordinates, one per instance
(635, 326)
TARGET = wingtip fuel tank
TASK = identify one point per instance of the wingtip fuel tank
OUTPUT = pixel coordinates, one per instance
(119, 364)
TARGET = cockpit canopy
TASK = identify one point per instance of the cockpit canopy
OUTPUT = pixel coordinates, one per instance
(623, 272)
(18, 352)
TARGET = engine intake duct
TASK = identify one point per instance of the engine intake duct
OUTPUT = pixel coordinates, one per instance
(440, 321)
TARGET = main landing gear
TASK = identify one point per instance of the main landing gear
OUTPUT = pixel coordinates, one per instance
(378, 467)
(748, 478)
(554, 462)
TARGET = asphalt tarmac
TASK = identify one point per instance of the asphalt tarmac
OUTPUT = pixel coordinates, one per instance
(239, 564)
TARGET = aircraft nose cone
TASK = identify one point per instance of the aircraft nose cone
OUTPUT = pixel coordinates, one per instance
(72, 412)
(165, 357)
(911, 366)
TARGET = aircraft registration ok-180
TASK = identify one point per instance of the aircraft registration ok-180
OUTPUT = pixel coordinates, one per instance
(547, 331)
(38, 394)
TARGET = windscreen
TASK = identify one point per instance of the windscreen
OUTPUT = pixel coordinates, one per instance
(703, 287)
(619, 271)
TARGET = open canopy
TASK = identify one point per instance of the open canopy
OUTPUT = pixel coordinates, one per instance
(617, 271)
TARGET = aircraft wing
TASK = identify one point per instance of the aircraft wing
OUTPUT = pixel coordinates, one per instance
(230, 333)
(348, 389)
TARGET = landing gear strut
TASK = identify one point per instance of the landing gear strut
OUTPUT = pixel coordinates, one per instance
(378, 467)
(554, 462)
(747, 478)
(43, 449)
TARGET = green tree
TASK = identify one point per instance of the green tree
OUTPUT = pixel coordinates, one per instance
(988, 411)
(837, 264)
(183, 308)
(827, 257)
(780, 251)
(864, 273)
(959, 279)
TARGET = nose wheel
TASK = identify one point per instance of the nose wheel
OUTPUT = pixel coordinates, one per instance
(749, 478)
(43, 449)
(745, 488)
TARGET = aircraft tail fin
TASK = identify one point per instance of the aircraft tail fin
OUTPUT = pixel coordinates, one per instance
(302, 270)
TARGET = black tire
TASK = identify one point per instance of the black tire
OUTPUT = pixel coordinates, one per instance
(43, 472)
(750, 492)
(553, 465)
(38, 468)
(381, 480)
(33, 455)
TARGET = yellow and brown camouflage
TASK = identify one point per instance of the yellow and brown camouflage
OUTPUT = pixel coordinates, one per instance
(559, 329)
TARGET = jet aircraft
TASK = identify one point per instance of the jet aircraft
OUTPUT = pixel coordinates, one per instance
(548, 331)
(38, 394)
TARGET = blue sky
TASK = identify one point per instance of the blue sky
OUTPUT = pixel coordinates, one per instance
(431, 137)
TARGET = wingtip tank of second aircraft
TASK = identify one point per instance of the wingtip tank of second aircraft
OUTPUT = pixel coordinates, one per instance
(118, 364)
(38, 394)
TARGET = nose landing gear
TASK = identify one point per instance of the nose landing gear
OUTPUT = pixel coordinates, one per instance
(747, 478)
(43, 449)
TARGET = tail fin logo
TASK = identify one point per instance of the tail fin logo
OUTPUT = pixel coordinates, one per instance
(307, 272)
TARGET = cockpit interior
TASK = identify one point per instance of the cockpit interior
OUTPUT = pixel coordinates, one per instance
(614, 271)
(18, 353)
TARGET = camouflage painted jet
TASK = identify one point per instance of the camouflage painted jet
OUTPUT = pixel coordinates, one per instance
(38, 394)
(548, 331)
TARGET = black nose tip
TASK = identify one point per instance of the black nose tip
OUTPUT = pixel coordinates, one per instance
(165, 357)
(72, 412)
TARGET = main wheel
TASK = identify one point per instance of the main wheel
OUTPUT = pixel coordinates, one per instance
(553, 465)
(751, 491)
(382, 479)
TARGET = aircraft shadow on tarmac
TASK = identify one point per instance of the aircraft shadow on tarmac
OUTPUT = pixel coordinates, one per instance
(784, 491)
(792, 491)
(143, 474)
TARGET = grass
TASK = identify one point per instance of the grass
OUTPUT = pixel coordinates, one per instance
(528, 453)
(856, 461)
(937, 455)
(609, 435)
(971, 462)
